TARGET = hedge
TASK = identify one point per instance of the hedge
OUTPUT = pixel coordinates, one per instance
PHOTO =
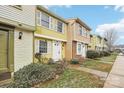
(95, 54)
(35, 73)
(92, 54)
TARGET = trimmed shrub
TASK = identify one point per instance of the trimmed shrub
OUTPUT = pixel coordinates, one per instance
(75, 61)
(61, 66)
(92, 54)
(35, 73)
(32, 74)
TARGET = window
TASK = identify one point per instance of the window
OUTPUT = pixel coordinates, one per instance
(80, 30)
(45, 20)
(59, 26)
(79, 48)
(42, 46)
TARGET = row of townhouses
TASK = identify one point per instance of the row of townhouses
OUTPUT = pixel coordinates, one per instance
(26, 30)
(97, 43)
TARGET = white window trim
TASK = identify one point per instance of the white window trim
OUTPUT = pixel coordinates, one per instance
(39, 46)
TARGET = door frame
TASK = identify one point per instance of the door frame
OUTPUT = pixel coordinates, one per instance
(10, 50)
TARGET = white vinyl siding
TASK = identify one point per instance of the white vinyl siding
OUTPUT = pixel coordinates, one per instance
(26, 15)
(17, 7)
(23, 49)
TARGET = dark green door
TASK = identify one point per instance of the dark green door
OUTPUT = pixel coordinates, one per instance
(3, 51)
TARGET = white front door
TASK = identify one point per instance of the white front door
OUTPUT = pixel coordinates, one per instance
(83, 50)
(57, 50)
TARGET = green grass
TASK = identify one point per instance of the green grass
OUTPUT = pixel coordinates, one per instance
(102, 64)
(74, 79)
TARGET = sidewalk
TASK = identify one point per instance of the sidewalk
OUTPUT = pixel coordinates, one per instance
(115, 78)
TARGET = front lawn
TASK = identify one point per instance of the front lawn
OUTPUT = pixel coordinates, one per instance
(102, 64)
(74, 79)
(95, 64)
(109, 59)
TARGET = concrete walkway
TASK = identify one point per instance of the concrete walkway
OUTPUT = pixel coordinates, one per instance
(102, 75)
(115, 78)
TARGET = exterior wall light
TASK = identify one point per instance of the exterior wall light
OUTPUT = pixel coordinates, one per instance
(20, 35)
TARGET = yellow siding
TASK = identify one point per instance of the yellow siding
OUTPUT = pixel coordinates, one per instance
(47, 32)
(47, 55)
(50, 55)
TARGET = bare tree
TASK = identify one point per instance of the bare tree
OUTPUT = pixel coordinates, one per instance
(111, 36)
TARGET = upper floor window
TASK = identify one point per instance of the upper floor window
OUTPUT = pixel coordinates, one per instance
(49, 22)
(59, 26)
(45, 20)
(80, 30)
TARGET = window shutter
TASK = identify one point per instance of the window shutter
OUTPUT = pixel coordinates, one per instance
(38, 18)
(50, 22)
(55, 27)
(36, 46)
(49, 47)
